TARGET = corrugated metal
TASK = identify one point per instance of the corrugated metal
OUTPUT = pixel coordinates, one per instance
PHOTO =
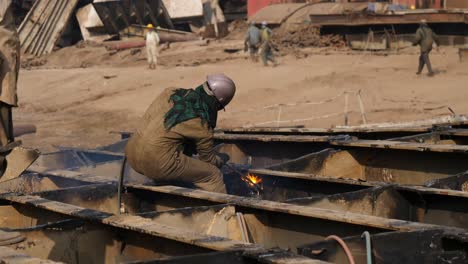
(44, 24)
(117, 15)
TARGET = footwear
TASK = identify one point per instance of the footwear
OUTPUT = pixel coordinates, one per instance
(430, 74)
(418, 73)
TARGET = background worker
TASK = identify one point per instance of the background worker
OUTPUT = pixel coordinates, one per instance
(266, 49)
(9, 69)
(425, 38)
(152, 43)
(252, 41)
(178, 124)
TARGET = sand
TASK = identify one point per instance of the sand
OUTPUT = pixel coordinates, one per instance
(76, 96)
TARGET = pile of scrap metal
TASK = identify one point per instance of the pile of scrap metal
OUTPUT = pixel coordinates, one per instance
(370, 25)
(49, 22)
(377, 193)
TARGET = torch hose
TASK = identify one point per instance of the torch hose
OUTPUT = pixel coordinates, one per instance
(345, 247)
(366, 235)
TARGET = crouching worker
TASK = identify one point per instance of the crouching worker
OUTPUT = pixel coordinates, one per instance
(178, 124)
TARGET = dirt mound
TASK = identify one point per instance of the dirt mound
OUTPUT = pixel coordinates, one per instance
(305, 36)
(237, 29)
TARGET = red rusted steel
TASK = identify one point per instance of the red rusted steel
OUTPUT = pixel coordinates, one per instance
(254, 5)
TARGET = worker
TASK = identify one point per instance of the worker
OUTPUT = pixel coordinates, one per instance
(178, 124)
(9, 68)
(214, 16)
(152, 43)
(252, 41)
(266, 48)
(425, 38)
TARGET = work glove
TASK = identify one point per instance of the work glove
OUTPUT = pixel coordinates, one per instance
(224, 157)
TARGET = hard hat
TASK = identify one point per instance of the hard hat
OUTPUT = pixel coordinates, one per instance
(222, 87)
(423, 22)
(413, 7)
(149, 26)
(264, 23)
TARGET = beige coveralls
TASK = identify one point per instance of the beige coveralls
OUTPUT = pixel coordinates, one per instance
(9, 68)
(157, 153)
(152, 43)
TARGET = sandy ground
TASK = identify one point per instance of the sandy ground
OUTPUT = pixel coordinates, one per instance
(78, 95)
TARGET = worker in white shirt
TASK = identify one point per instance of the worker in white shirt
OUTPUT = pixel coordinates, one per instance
(152, 43)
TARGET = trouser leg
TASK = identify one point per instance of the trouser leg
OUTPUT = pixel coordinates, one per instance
(271, 57)
(6, 124)
(421, 62)
(264, 54)
(202, 174)
(6, 131)
(427, 61)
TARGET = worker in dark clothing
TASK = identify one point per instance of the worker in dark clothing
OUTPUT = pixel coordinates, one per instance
(425, 38)
(267, 49)
(179, 123)
(253, 41)
(9, 68)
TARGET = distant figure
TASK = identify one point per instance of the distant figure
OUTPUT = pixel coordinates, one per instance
(9, 69)
(253, 41)
(214, 16)
(152, 43)
(425, 38)
(267, 50)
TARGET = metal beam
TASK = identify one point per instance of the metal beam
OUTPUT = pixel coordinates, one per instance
(152, 228)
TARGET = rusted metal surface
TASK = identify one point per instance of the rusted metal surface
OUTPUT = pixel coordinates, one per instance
(414, 127)
(310, 212)
(387, 144)
(9, 255)
(147, 226)
(376, 165)
(307, 193)
(271, 138)
(362, 19)
(435, 246)
(43, 26)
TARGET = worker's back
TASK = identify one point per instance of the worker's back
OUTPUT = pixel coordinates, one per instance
(266, 34)
(253, 35)
(154, 148)
(425, 37)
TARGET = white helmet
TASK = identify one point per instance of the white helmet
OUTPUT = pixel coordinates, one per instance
(222, 87)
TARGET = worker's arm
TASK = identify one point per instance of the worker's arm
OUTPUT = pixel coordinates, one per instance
(417, 38)
(202, 137)
(158, 39)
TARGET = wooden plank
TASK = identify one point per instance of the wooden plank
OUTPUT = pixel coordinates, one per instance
(401, 145)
